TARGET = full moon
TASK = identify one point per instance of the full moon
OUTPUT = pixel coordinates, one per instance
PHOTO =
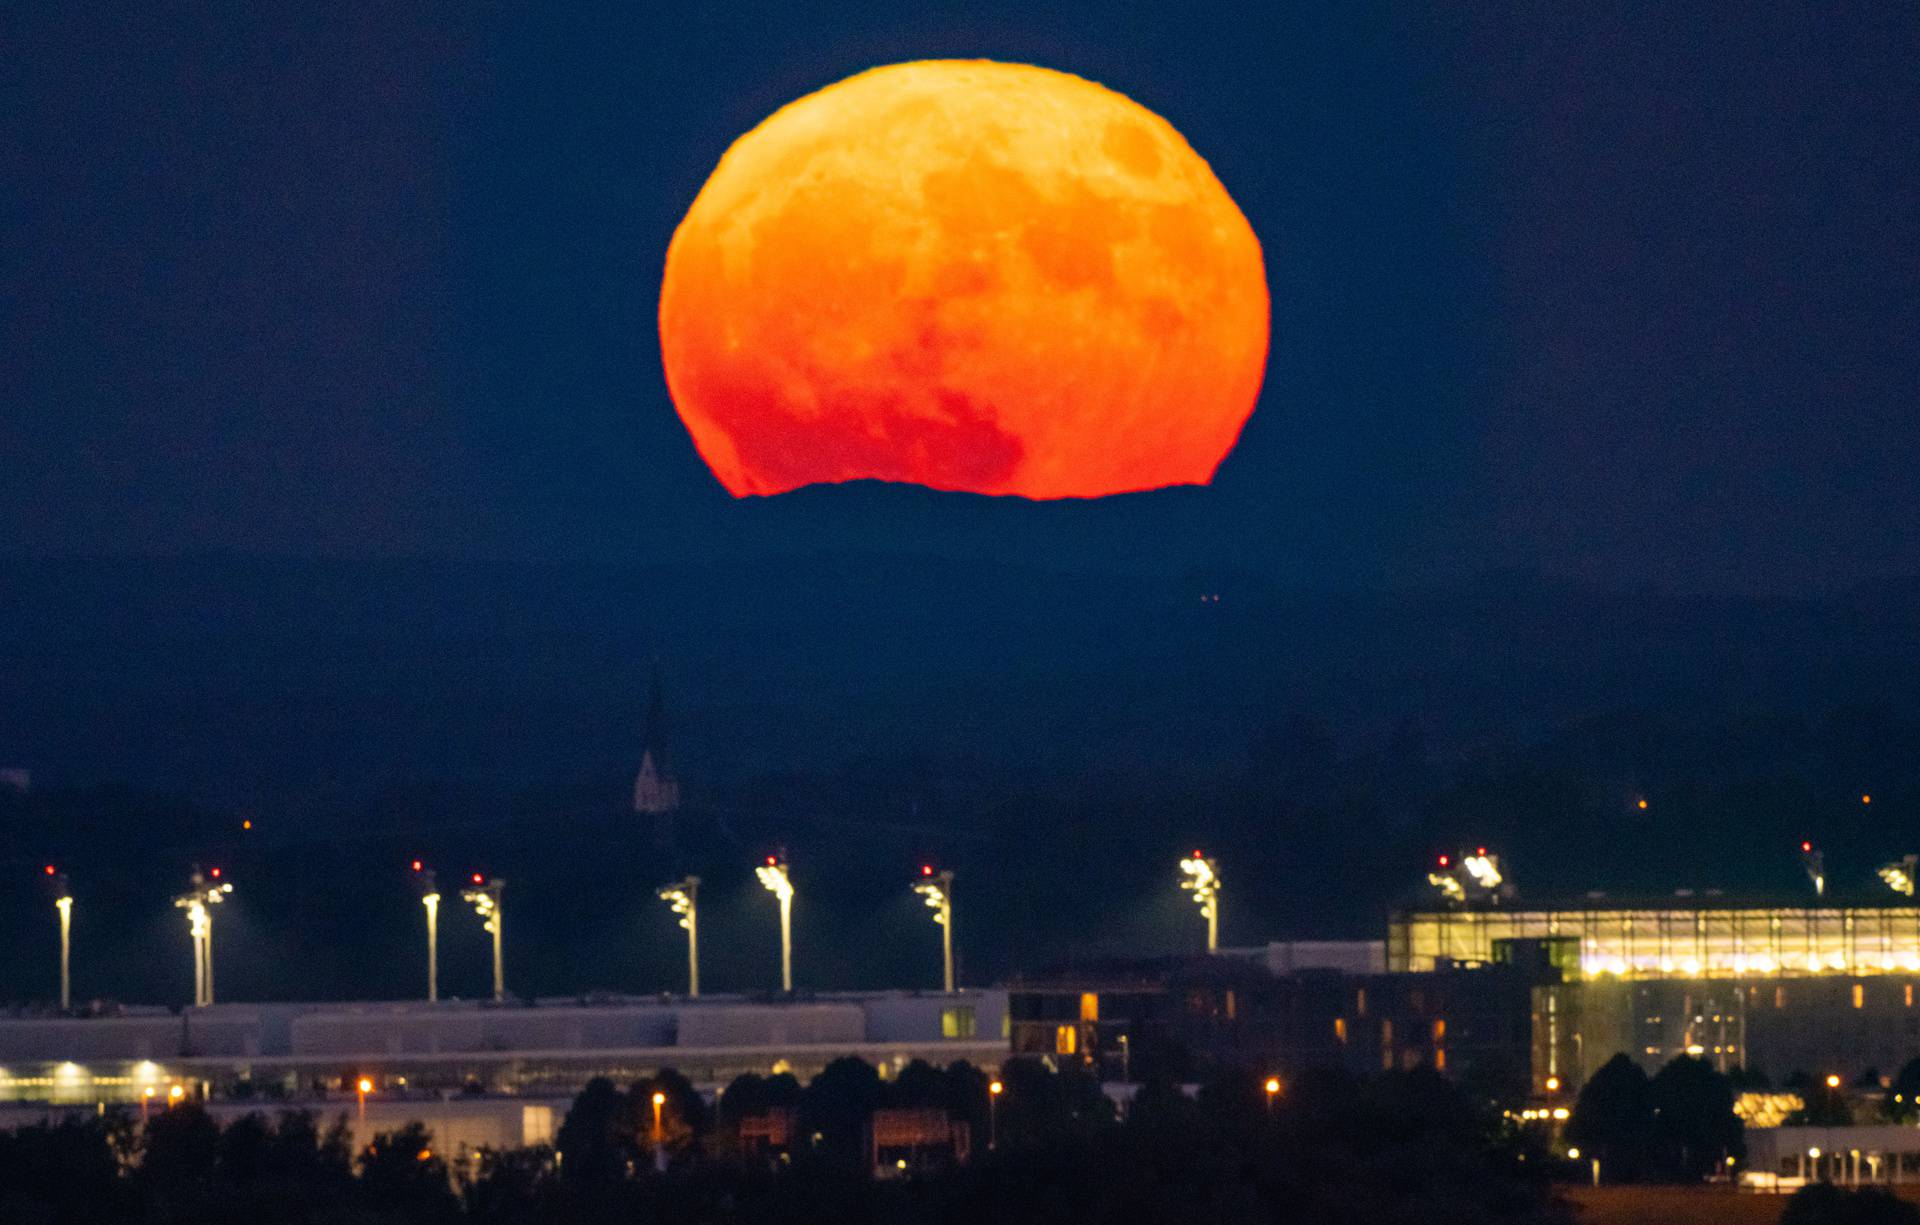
(967, 275)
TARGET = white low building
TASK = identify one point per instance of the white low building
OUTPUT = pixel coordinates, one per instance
(549, 1048)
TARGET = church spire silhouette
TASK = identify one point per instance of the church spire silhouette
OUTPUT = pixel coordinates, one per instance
(656, 792)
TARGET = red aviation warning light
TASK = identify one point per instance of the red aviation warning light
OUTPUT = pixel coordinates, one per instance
(417, 865)
(49, 870)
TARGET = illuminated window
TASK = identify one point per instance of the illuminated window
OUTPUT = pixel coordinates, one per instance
(1859, 995)
(1233, 1004)
(1066, 1039)
(1340, 1030)
(1360, 1002)
(957, 1022)
(1089, 1008)
(1439, 1030)
(1440, 1061)
(1909, 995)
(1779, 997)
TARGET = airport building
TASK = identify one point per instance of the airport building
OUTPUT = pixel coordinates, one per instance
(549, 1049)
(1779, 989)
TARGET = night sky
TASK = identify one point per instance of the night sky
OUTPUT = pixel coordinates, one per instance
(1625, 293)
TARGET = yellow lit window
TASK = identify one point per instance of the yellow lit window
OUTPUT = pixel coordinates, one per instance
(1340, 1030)
(1859, 995)
(1439, 1030)
(1909, 995)
(1779, 997)
(1089, 1007)
(1066, 1039)
(957, 1022)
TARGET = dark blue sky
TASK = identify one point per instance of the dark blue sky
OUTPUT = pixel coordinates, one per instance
(1624, 292)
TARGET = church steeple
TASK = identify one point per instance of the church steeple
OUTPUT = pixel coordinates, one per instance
(656, 793)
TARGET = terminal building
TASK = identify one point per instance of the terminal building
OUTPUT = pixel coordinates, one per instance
(1778, 989)
(303, 1052)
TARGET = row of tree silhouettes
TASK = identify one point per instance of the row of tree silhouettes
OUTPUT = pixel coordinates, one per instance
(1679, 1124)
(1403, 1148)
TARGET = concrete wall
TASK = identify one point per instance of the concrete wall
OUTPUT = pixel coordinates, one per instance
(411, 1030)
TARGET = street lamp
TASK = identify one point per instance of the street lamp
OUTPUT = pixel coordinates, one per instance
(63, 903)
(773, 875)
(994, 1090)
(683, 898)
(484, 896)
(1273, 1091)
(1203, 881)
(205, 892)
(430, 898)
(937, 889)
(363, 1087)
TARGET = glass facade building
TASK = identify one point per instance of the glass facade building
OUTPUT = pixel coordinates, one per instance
(1690, 938)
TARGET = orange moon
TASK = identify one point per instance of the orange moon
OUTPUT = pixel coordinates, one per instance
(968, 275)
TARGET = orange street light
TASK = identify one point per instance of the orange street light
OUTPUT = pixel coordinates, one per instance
(994, 1089)
(364, 1087)
(1273, 1091)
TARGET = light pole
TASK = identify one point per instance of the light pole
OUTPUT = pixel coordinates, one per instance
(484, 897)
(994, 1090)
(1273, 1091)
(773, 875)
(430, 899)
(63, 903)
(683, 898)
(1203, 881)
(937, 889)
(363, 1087)
(205, 892)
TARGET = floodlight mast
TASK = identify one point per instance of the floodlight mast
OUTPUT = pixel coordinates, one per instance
(774, 877)
(205, 892)
(484, 897)
(1815, 862)
(430, 900)
(1203, 881)
(937, 889)
(63, 904)
(683, 898)
(1901, 874)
